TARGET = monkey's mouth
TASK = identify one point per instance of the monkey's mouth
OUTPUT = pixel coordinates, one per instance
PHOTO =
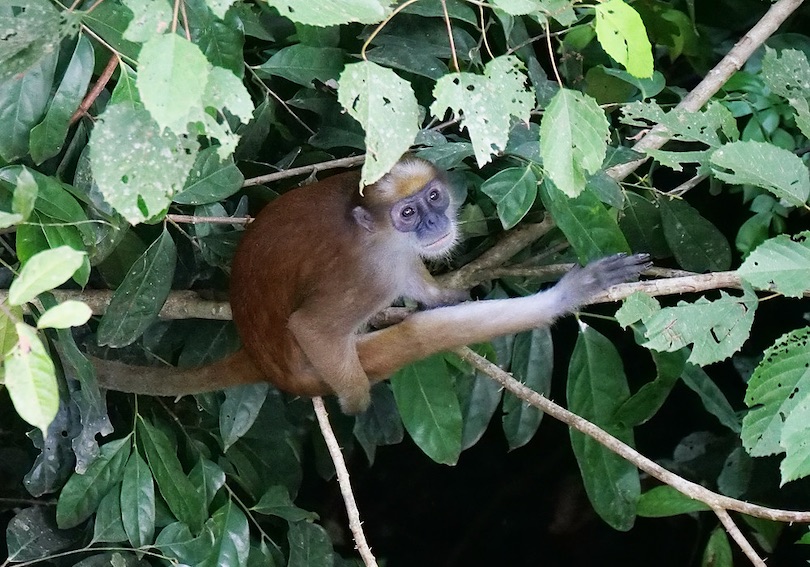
(440, 244)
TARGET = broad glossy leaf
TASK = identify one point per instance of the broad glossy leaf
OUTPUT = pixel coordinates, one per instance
(696, 243)
(177, 541)
(711, 396)
(30, 378)
(137, 301)
(783, 262)
(221, 39)
(646, 402)
(532, 364)
(277, 502)
(107, 526)
(718, 550)
(304, 64)
(210, 180)
(239, 411)
(479, 397)
(641, 224)
(48, 137)
(208, 477)
(232, 543)
(137, 499)
(386, 107)
(663, 501)
(32, 534)
(429, 407)
(486, 103)
(32, 30)
(586, 223)
(82, 494)
(25, 193)
(309, 545)
(513, 190)
(180, 495)
(573, 140)
(596, 389)
(149, 18)
(380, 424)
(23, 102)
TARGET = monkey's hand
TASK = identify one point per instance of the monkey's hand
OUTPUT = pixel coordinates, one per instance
(442, 297)
(580, 285)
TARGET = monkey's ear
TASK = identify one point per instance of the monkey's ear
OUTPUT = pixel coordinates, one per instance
(363, 217)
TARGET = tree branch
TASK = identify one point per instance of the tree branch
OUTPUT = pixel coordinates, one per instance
(716, 78)
(355, 525)
(305, 170)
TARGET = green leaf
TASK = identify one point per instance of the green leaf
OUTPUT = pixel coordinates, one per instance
(138, 300)
(590, 228)
(277, 502)
(532, 363)
(704, 126)
(787, 77)
(573, 135)
(22, 105)
(782, 262)
(304, 64)
(485, 103)
(794, 440)
(210, 180)
(697, 244)
(44, 271)
(716, 329)
(32, 30)
(778, 170)
(622, 35)
(149, 18)
(779, 384)
(180, 495)
(138, 180)
(332, 13)
(596, 389)
(138, 502)
(513, 190)
(107, 527)
(32, 534)
(48, 137)
(70, 313)
(429, 408)
(646, 402)
(125, 91)
(82, 493)
(176, 541)
(172, 75)
(239, 411)
(380, 424)
(232, 537)
(386, 107)
(663, 501)
(309, 545)
(641, 224)
(479, 397)
(25, 194)
(712, 397)
(718, 550)
(31, 379)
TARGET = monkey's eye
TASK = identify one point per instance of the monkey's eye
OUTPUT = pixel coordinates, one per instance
(433, 195)
(407, 212)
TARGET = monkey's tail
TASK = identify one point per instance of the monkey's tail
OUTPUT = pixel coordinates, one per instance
(232, 370)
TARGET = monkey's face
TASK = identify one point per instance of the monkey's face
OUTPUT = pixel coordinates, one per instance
(427, 218)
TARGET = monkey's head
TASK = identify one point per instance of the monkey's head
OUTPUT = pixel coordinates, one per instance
(412, 201)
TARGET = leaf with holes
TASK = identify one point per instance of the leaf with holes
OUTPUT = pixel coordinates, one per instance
(386, 107)
(786, 72)
(139, 177)
(621, 33)
(782, 262)
(716, 329)
(573, 136)
(332, 13)
(705, 126)
(779, 384)
(486, 103)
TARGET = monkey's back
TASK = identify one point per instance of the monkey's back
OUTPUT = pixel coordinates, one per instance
(302, 247)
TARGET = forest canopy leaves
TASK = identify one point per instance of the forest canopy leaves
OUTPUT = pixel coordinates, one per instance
(782, 262)
(623, 36)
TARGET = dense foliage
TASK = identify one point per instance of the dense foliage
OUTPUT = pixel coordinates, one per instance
(119, 119)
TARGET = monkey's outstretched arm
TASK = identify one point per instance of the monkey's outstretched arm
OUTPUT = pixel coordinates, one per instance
(424, 333)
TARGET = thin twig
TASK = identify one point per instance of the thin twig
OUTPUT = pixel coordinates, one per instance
(91, 96)
(193, 219)
(355, 525)
(551, 54)
(716, 78)
(735, 533)
(305, 170)
(687, 487)
(450, 38)
(382, 25)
